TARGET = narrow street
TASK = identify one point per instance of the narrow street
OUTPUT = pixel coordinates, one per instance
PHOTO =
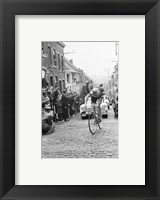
(73, 139)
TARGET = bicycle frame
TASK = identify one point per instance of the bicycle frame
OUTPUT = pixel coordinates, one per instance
(93, 116)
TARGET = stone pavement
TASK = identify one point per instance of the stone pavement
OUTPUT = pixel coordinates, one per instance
(73, 140)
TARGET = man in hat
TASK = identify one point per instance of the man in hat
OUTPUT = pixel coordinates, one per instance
(47, 123)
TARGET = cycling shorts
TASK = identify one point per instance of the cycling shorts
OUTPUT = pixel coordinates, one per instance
(94, 100)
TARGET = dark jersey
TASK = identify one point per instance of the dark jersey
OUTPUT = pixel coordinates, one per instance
(95, 95)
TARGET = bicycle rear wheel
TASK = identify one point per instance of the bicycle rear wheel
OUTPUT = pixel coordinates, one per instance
(92, 124)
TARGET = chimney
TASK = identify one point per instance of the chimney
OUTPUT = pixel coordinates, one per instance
(71, 61)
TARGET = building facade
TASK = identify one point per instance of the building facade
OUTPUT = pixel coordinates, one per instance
(73, 77)
(53, 70)
(113, 83)
(58, 70)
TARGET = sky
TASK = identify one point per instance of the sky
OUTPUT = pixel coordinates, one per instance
(97, 59)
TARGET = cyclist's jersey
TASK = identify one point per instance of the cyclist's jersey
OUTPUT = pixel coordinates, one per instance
(95, 95)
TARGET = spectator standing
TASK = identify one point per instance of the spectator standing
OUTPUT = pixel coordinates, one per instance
(65, 105)
(49, 94)
(70, 104)
(47, 123)
(107, 102)
(77, 103)
(59, 108)
(54, 95)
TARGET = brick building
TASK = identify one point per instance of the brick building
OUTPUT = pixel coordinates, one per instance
(53, 71)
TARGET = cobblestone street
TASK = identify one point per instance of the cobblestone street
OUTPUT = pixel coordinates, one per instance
(73, 139)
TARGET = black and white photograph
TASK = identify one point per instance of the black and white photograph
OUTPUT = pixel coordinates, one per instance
(79, 99)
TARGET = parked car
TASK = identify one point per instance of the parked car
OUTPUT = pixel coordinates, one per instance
(85, 111)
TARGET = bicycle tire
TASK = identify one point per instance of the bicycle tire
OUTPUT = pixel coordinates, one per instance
(100, 123)
(91, 116)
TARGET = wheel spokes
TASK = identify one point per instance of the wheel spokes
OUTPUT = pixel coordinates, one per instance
(92, 123)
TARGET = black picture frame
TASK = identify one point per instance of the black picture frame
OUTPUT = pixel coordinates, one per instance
(151, 10)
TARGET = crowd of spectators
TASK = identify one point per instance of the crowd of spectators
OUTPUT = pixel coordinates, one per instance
(58, 107)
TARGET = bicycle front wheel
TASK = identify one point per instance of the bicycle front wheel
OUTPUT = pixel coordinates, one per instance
(92, 123)
(100, 124)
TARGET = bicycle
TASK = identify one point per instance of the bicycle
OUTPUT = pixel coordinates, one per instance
(93, 122)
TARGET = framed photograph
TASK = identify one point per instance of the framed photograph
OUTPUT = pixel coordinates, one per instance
(86, 98)
(79, 99)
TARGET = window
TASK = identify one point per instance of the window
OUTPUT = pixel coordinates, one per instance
(73, 78)
(63, 84)
(59, 63)
(42, 48)
(51, 81)
(54, 57)
(68, 78)
(49, 56)
(56, 80)
(60, 86)
(62, 63)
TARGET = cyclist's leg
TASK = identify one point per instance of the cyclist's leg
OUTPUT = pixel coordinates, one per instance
(99, 115)
(93, 103)
(94, 107)
(99, 109)
(94, 110)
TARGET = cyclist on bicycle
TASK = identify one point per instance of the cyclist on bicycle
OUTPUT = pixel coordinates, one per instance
(96, 95)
